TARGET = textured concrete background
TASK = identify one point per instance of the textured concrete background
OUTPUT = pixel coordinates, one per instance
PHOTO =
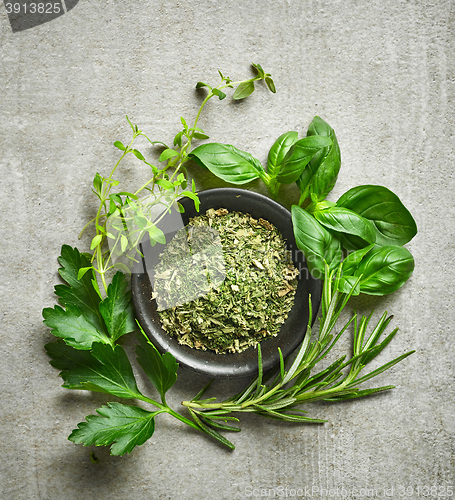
(381, 73)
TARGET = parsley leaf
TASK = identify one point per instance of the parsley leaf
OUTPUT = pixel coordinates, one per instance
(160, 369)
(79, 292)
(73, 327)
(116, 424)
(103, 369)
(87, 319)
(117, 307)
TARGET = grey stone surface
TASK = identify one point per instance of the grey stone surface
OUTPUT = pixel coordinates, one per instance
(381, 72)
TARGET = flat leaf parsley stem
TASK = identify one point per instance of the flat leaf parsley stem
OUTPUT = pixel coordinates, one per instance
(164, 408)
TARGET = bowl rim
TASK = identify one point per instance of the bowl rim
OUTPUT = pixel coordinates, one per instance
(230, 364)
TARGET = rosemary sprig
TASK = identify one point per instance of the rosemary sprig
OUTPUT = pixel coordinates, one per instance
(298, 383)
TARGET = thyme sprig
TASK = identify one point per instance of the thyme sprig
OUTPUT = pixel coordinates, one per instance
(123, 218)
(299, 382)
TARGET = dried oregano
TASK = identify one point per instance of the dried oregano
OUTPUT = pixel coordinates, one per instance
(224, 282)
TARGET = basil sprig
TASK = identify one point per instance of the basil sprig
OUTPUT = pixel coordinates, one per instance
(369, 220)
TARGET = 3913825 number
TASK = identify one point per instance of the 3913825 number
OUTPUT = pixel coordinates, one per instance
(34, 8)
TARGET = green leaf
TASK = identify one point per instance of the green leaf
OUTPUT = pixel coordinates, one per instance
(133, 127)
(211, 432)
(122, 267)
(315, 241)
(98, 183)
(156, 234)
(178, 139)
(270, 84)
(119, 145)
(299, 156)
(104, 369)
(96, 241)
(381, 369)
(279, 150)
(73, 327)
(129, 196)
(346, 283)
(202, 84)
(218, 425)
(141, 221)
(164, 183)
(293, 417)
(217, 92)
(352, 261)
(321, 174)
(167, 153)
(193, 196)
(228, 163)
(259, 69)
(360, 394)
(160, 369)
(122, 426)
(346, 221)
(393, 223)
(124, 242)
(244, 90)
(117, 307)
(385, 269)
(138, 155)
(116, 198)
(82, 271)
(79, 292)
(198, 135)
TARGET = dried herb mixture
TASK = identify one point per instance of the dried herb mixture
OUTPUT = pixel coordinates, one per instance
(225, 282)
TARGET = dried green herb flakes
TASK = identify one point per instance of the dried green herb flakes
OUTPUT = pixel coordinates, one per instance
(224, 282)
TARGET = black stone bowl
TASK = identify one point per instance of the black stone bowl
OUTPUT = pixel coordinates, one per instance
(244, 363)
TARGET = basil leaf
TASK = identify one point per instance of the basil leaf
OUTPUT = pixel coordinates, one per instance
(352, 261)
(315, 241)
(384, 269)
(299, 156)
(156, 235)
(346, 283)
(228, 163)
(344, 220)
(279, 150)
(393, 223)
(349, 267)
(322, 172)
